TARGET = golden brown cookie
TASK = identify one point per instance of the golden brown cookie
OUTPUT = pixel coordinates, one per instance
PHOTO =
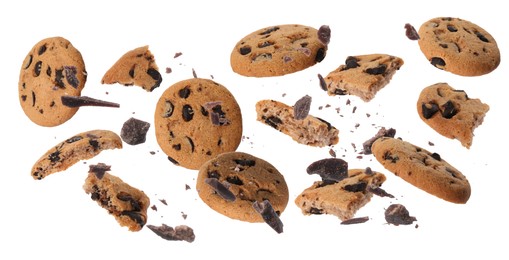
(195, 120)
(136, 67)
(278, 50)
(421, 168)
(79, 147)
(343, 198)
(458, 46)
(126, 203)
(362, 75)
(247, 179)
(52, 68)
(450, 112)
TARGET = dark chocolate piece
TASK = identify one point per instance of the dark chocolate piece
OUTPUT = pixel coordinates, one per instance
(323, 84)
(324, 34)
(329, 169)
(179, 233)
(379, 191)
(355, 220)
(134, 131)
(383, 132)
(397, 214)
(269, 215)
(301, 107)
(99, 169)
(80, 101)
(428, 110)
(411, 33)
(220, 189)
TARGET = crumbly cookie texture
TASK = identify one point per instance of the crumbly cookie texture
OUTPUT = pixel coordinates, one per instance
(279, 50)
(343, 198)
(362, 75)
(195, 120)
(136, 67)
(52, 68)
(239, 180)
(127, 204)
(79, 147)
(458, 46)
(310, 130)
(425, 170)
(450, 112)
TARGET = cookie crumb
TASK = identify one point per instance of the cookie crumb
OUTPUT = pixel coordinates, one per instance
(177, 54)
(168, 70)
(163, 201)
(154, 207)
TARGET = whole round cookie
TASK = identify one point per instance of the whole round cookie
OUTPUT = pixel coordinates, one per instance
(278, 50)
(248, 179)
(458, 46)
(195, 120)
(53, 68)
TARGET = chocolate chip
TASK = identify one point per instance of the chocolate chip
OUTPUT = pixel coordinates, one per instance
(28, 62)
(437, 62)
(134, 131)
(320, 55)
(269, 30)
(245, 50)
(54, 156)
(351, 62)
(173, 160)
(268, 214)
(380, 69)
(436, 156)
(358, 220)
(80, 101)
(245, 162)
(315, 211)
(37, 68)
(451, 28)
(191, 143)
(179, 233)
(481, 37)
(134, 215)
(99, 169)
(448, 110)
(70, 75)
(265, 44)
(48, 71)
(42, 49)
(177, 147)
(357, 187)
(397, 214)
(213, 174)
(429, 109)
(155, 75)
(168, 109)
(323, 84)
(131, 72)
(329, 126)
(340, 92)
(187, 113)
(333, 169)
(388, 156)
(273, 121)
(411, 33)
(184, 92)
(301, 107)
(263, 56)
(234, 180)
(74, 139)
(324, 34)
(220, 189)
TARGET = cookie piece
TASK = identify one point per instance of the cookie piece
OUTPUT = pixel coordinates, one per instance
(249, 178)
(278, 50)
(362, 75)
(451, 112)
(312, 131)
(195, 120)
(127, 204)
(458, 46)
(52, 68)
(423, 169)
(342, 199)
(79, 147)
(136, 67)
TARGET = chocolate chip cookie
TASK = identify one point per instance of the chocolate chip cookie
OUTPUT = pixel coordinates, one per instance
(458, 46)
(450, 112)
(52, 68)
(425, 170)
(136, 67)
(362, 75)
(195, 120)
(279, 50)
(232, 182)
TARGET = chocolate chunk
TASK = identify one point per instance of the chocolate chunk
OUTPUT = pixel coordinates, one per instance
(358, 220)
(428, 110)
(451, 28)
(323, 84)
(28, 62)
(351, 62)
(136, 216)
(320, 55)
(481, 37)
(245, 162)
(383, 132)
(379, 191)
(265, 44)
(273, 121)
(244, 50)
(437, 62)
(179, 233)
(59, 75)
(54, 156)
(448, 110)
(99, 169)
(269, 30)
(329, 169)
(155, 75)
(268, 214)
(397, 214)
(380, 69)
(388, 156)
(42, 49)
(301, 107)
(436, 156)
(80, 101)
(173, 160)
(220, 189)
(70, 76)
(324, 34)
(168, 109)
(411, 33)
(187, 113)
(37, 68)
(134, 131)
(357, 187)
(185, 92)
(74, 139)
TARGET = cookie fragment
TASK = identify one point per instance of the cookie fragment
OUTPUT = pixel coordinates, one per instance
(397, 214)
(179, 233)
(134, 131)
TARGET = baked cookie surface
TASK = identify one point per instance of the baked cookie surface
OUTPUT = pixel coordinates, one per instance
(423, 169)
(277, 50)
(451, 112)
(52, 68)
(136, 67)
(195, 120)
(249, 179)
(458, 46)
(310, 130)
(362, 75)
(74, 149)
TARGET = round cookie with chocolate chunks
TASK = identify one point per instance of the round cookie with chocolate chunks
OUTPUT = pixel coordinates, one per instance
(450, 112)
(232, 182)
(458, 46)
(195, 120)
(52, 68)
(279, 50)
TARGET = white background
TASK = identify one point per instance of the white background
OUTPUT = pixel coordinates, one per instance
(55, 219)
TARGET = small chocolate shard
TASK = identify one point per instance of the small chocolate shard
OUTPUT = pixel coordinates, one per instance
(220, 189)
(383, 132)
(302, 107)
(411, 33)
(80, 101)
(179, 233)
(99, 169)
(324, 34)
(379, 191)
(358, 220)
(323, 84)
(397, 214)
(268, 214)
(356, 187)
(329, 169)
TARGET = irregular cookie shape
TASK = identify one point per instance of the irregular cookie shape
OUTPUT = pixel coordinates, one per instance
(311, 130)
(423, 169)
(53, 68)
(362, 75)
(342, 199)
(458, 46)
(277, 50)
(249, 178)
(136, 67)
(82, 146)
(195, 120)
(451, 112)
(127, 204)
